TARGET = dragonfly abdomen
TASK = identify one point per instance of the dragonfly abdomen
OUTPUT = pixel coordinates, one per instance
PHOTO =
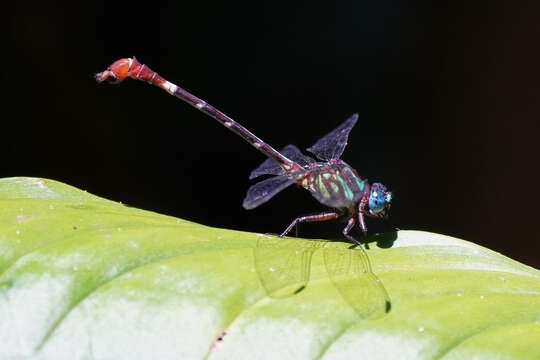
(124, 68)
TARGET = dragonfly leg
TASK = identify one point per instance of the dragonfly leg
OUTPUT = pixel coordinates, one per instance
(362, 223)
(349, 226)
(346, 230)
(311, 218)
(361, 205)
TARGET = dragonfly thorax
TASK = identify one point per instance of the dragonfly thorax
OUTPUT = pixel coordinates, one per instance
(334, 183)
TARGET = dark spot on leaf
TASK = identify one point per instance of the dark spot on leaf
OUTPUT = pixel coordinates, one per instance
(222, 336)
(218, 340)
(388, 306)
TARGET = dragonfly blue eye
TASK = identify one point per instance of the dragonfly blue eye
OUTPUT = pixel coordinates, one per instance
(379, 198)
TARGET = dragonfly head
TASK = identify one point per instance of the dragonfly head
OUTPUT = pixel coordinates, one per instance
(379, 200)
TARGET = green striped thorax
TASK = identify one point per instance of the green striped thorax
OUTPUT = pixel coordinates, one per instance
(334, 184)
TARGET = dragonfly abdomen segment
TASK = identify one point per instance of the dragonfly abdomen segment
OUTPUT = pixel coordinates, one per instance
(124, 68)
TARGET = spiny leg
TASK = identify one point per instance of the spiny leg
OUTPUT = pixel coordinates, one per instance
(311, 218)
(346, 231)
(362, 223)
(349, 226)
(361, 206)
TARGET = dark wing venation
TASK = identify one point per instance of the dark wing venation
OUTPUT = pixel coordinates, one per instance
(268, 167)
(350, 272)
(264, 190)
(271, 167)
(333, 144)
(283, 265)
(294, 153)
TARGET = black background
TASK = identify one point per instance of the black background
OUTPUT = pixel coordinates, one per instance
(447, 97)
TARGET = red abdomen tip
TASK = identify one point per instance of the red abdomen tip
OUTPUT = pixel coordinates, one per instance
(117, 72)
(124, 68)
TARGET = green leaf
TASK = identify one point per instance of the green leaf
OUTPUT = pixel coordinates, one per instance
(82, 277)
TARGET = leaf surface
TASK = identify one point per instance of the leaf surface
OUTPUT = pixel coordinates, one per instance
(83, 277)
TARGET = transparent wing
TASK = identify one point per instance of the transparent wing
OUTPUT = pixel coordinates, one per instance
(271, 167)
(282, 265)
(350, 272)
(268, 167)
(332, 145)
(264, 190)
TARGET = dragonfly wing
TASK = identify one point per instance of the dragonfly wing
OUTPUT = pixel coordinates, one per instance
(333, 144)
(294, 153)
(350, 272)
(271, 167)
(268, 167)
(282, 265)
(264, 190)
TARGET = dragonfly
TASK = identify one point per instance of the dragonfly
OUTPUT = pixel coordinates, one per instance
(283, 266)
